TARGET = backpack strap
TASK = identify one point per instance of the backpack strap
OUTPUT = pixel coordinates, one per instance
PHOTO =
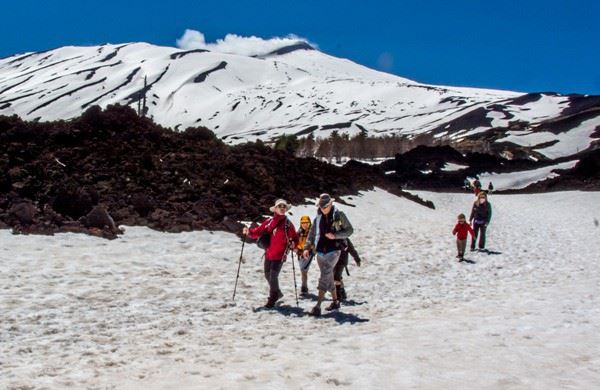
(277, 225)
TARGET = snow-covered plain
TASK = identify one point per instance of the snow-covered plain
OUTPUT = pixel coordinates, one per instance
(521, 179)
(154, 310)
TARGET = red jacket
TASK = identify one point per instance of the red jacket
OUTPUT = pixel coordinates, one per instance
(462, 229)
(279, 241)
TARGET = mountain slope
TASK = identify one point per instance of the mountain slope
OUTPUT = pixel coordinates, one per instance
(292, 90)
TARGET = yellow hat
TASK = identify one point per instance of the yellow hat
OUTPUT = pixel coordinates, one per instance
(305, 218)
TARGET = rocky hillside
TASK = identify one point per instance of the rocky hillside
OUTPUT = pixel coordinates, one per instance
(112, 167)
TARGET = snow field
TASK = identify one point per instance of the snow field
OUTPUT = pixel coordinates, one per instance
(154, 310)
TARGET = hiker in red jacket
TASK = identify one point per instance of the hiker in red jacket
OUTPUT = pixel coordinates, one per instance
(460, 230)
(283, 237)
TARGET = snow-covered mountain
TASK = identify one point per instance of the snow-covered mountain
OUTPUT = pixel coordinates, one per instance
(292, 90)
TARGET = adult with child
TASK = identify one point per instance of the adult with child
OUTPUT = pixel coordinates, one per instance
(282, 237)
(481, 214)
(329, 226)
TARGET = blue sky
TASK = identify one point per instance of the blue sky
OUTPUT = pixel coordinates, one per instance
(525, 45)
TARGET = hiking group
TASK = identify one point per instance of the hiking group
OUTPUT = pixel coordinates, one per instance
(325, 238)
(481, 214)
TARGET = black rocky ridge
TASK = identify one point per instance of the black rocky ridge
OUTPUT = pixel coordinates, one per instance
(422, 168)
(112, 167)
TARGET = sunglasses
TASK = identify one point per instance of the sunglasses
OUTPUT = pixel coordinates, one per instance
(281, 206)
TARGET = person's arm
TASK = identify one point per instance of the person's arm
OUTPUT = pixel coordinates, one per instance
(472, 214)
(455, 229)
(489, 218)
(346, 228)
(470, 229)
(256, 232)
(352, 251)
(310, 240)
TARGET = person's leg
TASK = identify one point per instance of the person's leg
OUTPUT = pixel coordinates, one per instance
(482, 230)
(333, 259)
(304, 288)
(275, 292)
(267, 270)
(303, 265)
(326, 264)
(474, 238)
(338, 275)
(461, 246)
(338, 271)
(321, 282)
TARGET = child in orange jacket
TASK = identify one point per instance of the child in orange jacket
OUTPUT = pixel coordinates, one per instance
(461, 231)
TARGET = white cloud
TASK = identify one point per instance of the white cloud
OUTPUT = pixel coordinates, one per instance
(235, 44)
(191, 39)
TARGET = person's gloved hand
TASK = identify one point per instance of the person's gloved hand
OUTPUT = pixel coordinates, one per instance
(357, 262)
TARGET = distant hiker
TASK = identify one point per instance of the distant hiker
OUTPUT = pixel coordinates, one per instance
(476, 187)
(346, 248)
(303, 262)
(490, 187)
(282, 237)
(467, 185)
(461, 231)
(481, 214)
(329, 226)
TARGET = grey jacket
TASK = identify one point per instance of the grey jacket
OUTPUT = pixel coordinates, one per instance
(341, 228)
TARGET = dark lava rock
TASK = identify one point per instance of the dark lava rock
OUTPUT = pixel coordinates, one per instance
(422, 168)
(143, 174)
(24, 212)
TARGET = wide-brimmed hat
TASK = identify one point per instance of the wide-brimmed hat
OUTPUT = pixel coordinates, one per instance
(278, 202)
(324, 200)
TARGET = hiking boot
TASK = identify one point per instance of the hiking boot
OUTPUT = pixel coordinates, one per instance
(316, 311)
(270, 303)
(342, 294)
(304, 290)
(334, 305)
(279, 295)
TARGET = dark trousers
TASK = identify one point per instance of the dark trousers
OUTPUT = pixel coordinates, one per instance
(479, 230)
(338, 271)
(272, 269)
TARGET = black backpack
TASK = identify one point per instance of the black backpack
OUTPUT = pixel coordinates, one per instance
(264, 240)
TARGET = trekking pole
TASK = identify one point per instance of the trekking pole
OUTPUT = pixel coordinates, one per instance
(294, 273)
(239, 265)
(310, 259)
